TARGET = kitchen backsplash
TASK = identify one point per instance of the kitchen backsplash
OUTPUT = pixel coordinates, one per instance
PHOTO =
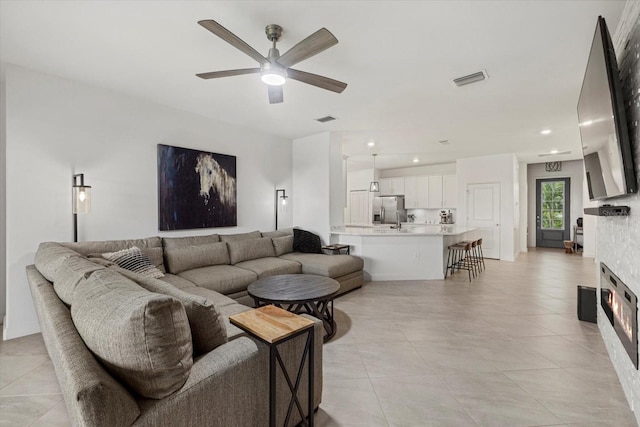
(429, 216)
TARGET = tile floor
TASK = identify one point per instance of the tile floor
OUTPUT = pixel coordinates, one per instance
(505, 350)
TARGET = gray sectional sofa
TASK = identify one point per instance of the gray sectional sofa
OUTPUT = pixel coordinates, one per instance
(135, 350)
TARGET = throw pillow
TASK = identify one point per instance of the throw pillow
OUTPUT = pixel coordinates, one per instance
(180, 259)
(283, 245)
(207, 327)
(245, 250)
(133, 259)
(141, 337)
(306, 242)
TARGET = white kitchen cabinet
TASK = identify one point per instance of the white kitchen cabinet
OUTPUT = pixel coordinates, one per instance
(435, 192)
(391, 186)
(450, 191)
(416, 192)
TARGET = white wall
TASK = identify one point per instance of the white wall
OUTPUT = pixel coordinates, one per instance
(573, 169)
(318, 190)
(3, 180)
(524, 224)
(57, 127)
(617, 237)
(502, 169)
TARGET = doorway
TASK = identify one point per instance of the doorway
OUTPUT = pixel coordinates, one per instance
(553, 203)
(483, 207)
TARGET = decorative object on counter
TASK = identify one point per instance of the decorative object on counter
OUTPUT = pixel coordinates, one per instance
(374, 187)
(553, 166)
(446, 217)
(306, 242)
(411, 217)
(281, 203)
(81, 201)
(196, 189)
(337, 249)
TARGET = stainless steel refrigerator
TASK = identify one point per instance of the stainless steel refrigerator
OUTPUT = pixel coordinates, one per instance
(389, 210)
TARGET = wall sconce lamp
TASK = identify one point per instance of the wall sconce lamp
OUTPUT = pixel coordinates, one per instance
(81, 200)
(374, 187)
(281, 203)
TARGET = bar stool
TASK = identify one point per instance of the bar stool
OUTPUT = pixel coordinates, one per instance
(459, 258)
(479, 245)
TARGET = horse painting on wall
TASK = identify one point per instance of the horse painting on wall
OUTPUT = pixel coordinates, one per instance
(196, 189)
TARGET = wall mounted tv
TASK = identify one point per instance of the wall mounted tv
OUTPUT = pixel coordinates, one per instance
(606, 145)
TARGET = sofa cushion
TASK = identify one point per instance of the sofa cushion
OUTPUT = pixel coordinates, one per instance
(49, 256)
(270, 266)
(178, 281)
(216, 298)
(306, 242)
(70, 273)
(326, 265)
(233, 331)
(99, 247)
(151, 247)
(278, 233)
(244, 250)
(189, 257)
(143, 338)
(207, 329)
(181, 242)
(283, 245)
(225, 279)
(241, 236)
(133, 259)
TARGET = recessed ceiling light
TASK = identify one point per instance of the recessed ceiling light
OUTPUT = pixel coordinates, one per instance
(371, 143)
(586, 123)
(553, 152)
(545, 131)
(416, 160)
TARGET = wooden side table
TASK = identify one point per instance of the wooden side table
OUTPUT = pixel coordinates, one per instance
(273, 326)
(337, 249)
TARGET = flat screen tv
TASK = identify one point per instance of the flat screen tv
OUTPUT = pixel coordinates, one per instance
(606, 145)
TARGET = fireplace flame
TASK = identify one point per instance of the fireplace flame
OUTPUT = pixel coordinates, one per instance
(620, 312)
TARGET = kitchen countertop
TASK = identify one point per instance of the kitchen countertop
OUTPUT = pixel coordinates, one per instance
(407, 229)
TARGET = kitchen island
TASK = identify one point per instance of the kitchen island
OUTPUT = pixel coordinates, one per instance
(413, 252)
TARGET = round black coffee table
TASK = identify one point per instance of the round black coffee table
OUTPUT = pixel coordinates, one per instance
(299, 293)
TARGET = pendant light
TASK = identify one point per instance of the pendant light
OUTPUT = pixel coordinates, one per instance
(374, 187)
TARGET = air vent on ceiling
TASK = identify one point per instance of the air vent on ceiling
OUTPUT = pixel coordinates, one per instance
(325, 119)
(471, 78)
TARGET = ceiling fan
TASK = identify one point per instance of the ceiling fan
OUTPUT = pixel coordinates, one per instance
(275, 68)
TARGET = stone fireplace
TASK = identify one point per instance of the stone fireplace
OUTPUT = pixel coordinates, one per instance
(620, 305)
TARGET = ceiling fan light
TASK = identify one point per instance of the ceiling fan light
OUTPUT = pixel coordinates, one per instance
(274, 76)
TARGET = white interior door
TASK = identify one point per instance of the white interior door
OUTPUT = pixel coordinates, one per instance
(483, 209)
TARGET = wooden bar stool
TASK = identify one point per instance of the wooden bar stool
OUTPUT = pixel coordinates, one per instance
(459, 258)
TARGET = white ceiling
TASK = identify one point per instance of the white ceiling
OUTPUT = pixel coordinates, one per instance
(397, 56)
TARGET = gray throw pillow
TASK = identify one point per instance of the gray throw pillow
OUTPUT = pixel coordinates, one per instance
(207, 327)
(283, 245)
(189, 257)
(133, 259)
(245, 250)
(142, 338)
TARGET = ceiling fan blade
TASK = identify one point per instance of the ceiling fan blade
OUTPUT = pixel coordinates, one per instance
(312, 45)
(276, 95)
(316, 80)
(232, 39)
(228, 73)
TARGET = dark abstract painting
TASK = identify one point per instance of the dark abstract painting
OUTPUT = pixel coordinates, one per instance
(196, 189)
